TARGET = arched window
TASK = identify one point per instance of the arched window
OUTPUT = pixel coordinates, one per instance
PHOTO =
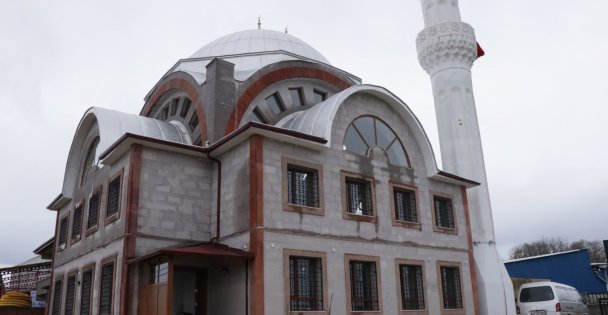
(89, 163)
(367, 132)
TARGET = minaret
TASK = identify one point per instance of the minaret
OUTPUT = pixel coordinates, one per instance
(446, 50)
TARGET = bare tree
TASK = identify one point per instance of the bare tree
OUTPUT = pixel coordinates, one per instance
(541, 247)
(595, 248)
(546, 246)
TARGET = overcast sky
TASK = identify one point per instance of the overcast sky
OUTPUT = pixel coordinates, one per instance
(540, 92)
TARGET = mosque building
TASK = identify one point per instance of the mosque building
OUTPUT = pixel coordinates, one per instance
(260, 179)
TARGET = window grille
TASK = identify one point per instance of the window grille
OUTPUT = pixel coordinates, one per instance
(359, 197)
(77, 223)
(412, 290)
(405, 205)
(105, 294)
(113, 197)
(93, 210)
(70, 292)
(56, 298)
(85, 293)
(444, 214)
(63, 232)
(363, 286)
(450, 283)
(305, 284)
(303, 186)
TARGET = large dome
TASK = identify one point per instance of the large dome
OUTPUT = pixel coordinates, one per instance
(258, 41)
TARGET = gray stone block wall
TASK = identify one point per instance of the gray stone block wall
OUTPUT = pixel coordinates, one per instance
(104, 233)
(175, 191)
(335, 250)
(234, 215)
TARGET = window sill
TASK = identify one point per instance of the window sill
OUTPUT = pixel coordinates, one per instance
(439, 229)
(111, 219)
(409, 225)
(361, 217)
(414, 312)
(75, 239)
(456, 311)
(307, 312)
(365, 312)
(91, 231)
(303, 209)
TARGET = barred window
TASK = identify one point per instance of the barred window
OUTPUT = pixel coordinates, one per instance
(412, 289)
(113, 197)
(105, 293)
(363, 286)
(444, 214)
(63, 232)
(56, 298)
(359, 196)
(77, 223)
(450, 286)
(70, 293)
(85, 293)
(93, 210)
(405, 205)
(303, 186)
(305, 284)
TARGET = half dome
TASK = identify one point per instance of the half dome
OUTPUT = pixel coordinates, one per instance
(258, 41)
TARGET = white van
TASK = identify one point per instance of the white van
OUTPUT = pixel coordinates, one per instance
(549, 298)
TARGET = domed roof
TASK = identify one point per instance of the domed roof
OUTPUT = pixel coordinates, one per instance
(258, 41)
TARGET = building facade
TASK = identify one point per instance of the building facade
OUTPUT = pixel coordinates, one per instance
(259, 179)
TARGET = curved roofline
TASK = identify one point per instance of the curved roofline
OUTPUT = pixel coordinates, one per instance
(111, 125)
(311, 120)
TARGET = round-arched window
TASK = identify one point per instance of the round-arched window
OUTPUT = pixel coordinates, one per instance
(88, 168)
(367, 132)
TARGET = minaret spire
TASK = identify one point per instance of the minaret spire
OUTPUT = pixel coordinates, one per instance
(446, 50)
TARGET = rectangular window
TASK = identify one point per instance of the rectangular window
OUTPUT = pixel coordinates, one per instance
(193, 121)
(275, 104)
(363, 286)
(405, 205)
(113, 204)
(93, 210)
(411, 285)
(70, 295)
(444, 213)
(77, 223)
(185, 107)
(85, 292)
(256, 116)
(303, 186)
(359, 197)
(56, 298)
(450, 287)
(297, 97)
(305, 284)
(320, 96)
(159, 272)
(63, 233)
(106, 288)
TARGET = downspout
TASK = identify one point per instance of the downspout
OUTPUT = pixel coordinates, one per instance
(246, 287)
(219, 194)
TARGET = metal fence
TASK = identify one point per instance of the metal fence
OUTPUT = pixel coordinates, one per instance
(603, 303)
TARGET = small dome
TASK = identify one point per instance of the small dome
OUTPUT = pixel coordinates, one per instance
(258, 41)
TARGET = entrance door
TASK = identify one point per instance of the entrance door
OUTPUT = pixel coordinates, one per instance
(201, 293)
